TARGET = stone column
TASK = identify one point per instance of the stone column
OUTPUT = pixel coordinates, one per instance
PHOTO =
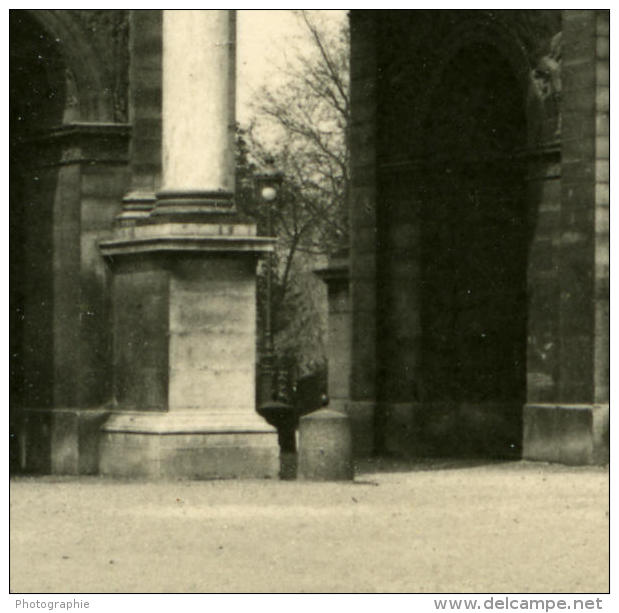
(363, 217)
(145, 49)
(198, 112)
(184, 286)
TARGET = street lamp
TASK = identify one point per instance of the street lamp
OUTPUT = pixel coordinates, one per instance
(279, 414)
(268, 184)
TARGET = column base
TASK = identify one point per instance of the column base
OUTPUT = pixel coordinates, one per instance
(189, 205)
(570, 433)
(136, 208)
(188, 445)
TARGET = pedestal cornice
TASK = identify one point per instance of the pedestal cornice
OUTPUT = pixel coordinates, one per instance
(187, 237)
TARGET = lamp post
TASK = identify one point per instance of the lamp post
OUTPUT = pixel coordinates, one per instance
(277, 413)
(268, 184)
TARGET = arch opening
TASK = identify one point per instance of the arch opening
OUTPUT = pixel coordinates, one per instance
(37, 104)
(474, 254)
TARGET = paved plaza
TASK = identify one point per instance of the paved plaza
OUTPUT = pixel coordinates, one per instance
(399, 527)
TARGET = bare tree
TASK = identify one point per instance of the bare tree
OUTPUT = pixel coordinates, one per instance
(307, 118)
(303, 123)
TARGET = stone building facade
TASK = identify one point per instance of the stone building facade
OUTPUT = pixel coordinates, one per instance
(478, 286)
(471, 316)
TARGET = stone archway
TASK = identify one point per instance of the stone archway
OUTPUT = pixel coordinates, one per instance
(91, 90)
(474, 256)
(67, 167)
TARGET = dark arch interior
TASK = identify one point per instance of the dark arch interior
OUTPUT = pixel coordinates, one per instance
(474, 245)
(36, 76)
(37, 101)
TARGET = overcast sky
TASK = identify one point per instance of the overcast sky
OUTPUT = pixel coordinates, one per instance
(266, 39)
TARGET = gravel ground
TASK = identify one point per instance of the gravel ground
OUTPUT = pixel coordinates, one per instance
(425, 527)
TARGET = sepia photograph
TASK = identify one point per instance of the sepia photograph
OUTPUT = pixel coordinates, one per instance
(309, 301)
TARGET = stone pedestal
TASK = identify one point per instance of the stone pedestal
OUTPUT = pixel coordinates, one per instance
(188, 445)
(184, 354)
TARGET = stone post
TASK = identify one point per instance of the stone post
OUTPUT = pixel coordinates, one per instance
(325, 447)
(339, 354)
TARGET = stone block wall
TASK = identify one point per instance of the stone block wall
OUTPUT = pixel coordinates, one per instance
(140, 291)
(583, 265)
(212, 334)
(399, 279)
(602, 204)
(184, 333)
(544, 203)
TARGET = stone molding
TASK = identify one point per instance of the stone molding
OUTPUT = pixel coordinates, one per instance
(185, 422)
(77, 143)
(181, 203)
(213, 238)
(337, 270)
(136, 207)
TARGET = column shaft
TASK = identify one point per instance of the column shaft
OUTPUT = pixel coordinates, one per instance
(198, 83)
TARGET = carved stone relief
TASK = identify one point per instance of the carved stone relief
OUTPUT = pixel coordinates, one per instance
(545, 94)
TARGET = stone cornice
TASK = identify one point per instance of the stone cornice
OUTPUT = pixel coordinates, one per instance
(78, 142)
(221, 244)
(192, 237)
(545, 149)
(394, 165)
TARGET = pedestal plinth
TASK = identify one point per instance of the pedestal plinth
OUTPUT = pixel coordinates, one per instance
(184, 354)
(567, 433)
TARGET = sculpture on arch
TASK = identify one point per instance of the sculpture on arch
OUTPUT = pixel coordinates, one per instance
(546, 85)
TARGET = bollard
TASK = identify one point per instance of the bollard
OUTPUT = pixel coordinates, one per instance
(325, 447)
